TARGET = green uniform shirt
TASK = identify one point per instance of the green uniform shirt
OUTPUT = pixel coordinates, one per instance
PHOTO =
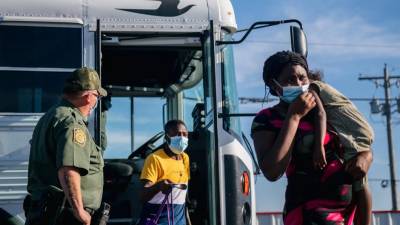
(61, 138)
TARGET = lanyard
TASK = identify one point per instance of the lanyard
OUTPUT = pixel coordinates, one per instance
(170, 209)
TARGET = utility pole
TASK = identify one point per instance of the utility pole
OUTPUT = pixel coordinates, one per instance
(387, 112)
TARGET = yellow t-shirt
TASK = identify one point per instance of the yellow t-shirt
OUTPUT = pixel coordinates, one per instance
(159, 166)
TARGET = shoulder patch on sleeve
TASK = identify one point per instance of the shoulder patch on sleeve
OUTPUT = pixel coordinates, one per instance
(79, 136)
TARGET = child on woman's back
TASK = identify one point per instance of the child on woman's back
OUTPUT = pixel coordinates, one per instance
(354, 132)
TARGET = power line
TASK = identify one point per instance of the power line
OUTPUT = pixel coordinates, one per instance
(388, 114)
(369, 179)
(366, 45)
(246, 100)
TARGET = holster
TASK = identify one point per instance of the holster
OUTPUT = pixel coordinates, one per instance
(101, 215)
(47, 210)
(55, 203)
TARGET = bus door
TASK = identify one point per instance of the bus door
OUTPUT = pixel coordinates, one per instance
(228, 178)
(210, 99)
(203, 185)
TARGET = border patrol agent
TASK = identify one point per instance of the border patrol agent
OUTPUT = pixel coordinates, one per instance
(64, 157)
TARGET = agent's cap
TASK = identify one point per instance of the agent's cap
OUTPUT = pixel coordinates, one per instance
(84, 79)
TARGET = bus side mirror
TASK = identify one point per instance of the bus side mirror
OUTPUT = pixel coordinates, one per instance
(298, 40)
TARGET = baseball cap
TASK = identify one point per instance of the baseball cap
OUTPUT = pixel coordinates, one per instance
(83, 79)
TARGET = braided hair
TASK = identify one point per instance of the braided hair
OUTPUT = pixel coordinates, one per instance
(274, 64)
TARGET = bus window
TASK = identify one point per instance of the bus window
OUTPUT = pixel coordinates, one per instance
(43, 47)
(148, 119)
(27, 92)
(230, 97)
(34, 62)
(126, 124)
(190, 98)
(118, 128)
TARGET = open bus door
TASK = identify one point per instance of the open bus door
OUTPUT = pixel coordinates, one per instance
(210, 101)
(121, 174)
(217, 165)
(203, 192)
(217, 158)
(230, 199)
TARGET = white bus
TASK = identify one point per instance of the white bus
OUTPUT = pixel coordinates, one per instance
(159, 60)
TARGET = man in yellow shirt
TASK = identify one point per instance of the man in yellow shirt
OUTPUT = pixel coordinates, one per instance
(166, 173)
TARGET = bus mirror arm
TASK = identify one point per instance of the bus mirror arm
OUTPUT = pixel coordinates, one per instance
(298, 39)
(258, 25)
(228, 115)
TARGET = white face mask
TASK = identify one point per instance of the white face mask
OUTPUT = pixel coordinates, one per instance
(178, 144)
(94, 107)
(290, 93)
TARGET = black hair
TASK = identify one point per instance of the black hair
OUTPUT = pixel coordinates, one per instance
(173, 124)
(274, 64)
(316, 75)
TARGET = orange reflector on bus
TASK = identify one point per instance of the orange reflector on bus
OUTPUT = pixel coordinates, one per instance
(245, 183)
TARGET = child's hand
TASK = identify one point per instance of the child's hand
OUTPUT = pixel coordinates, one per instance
(359, 165)
(319, 158)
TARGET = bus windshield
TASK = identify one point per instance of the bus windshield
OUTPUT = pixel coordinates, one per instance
(230, 96)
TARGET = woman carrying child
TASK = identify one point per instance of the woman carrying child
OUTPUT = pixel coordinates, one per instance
(326, 175)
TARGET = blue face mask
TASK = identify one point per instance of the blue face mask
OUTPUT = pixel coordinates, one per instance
(290, 93)
(178, 144)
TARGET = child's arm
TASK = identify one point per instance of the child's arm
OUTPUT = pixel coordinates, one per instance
(364, 206)
(319, 158)
(358, 168)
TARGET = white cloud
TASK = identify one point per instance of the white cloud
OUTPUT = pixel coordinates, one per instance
(334, 38)
(351, 37)
(154, 121)
(118, 138)
(124, 118)
(123, 138)
(248, 61)
(118, 118)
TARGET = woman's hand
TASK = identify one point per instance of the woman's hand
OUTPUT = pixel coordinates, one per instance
(302, 105)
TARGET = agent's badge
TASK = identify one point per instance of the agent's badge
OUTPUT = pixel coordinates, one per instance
(79, 136)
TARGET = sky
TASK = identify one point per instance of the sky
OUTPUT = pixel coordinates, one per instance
(345, 39)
